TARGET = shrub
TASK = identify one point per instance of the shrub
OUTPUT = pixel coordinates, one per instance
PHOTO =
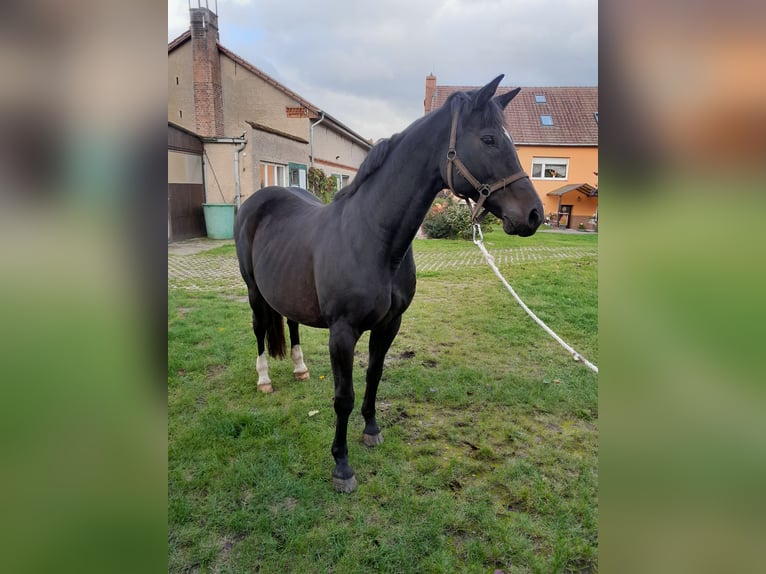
(448, 219)
(321, 185)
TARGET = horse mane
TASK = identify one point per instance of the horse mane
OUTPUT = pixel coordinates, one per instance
(375, 158)
(380, 151)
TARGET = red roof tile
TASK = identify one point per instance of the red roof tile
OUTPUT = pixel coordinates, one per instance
(571, 108)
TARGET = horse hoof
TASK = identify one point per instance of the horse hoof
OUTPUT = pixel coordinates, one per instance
(304, 376)
(372, 439)
(344, 484)
(266, 388)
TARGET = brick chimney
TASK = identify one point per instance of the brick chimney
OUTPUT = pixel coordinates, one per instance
(430, 91)
(208, 96)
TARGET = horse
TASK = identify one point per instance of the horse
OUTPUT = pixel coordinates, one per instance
(348, 266)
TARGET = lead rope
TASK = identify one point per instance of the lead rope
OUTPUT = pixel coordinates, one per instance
(478, 239)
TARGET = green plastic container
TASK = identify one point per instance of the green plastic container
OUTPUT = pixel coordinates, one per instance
(219, 220)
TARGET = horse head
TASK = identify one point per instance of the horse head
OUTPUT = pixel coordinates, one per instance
(482, 163)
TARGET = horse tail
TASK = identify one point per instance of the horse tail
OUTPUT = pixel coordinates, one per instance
(275, 335)
(244, 229)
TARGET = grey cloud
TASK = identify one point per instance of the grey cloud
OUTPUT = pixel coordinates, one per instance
(377, 54)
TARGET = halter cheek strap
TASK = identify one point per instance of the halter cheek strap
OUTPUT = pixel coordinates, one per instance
(484, 189)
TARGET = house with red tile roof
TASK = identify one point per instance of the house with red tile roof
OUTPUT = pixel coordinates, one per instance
(555, 130)
(256, 132)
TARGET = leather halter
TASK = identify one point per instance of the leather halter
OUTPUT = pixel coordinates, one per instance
(484, 189)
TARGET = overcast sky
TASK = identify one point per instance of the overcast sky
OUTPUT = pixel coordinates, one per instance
(365, 62)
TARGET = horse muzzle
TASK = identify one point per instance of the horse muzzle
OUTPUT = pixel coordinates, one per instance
(523, 226)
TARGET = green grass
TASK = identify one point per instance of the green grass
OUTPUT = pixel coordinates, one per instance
(490, 452)
(496, 239)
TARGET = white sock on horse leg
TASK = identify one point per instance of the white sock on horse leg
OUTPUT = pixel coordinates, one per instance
(300, 369)
(262, 366)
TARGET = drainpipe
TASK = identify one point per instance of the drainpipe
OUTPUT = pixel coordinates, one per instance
(311, 137)
(242, 142)
(237, 192)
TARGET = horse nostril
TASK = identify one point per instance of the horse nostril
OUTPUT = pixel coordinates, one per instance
(534, 218)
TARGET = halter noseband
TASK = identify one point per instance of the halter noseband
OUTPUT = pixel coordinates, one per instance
(484, 189)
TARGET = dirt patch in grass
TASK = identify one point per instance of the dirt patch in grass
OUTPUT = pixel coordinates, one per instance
(286, 505)
(237, 298)
(363, 358)
(214, 371)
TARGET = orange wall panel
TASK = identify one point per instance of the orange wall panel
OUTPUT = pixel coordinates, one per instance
(583, 161)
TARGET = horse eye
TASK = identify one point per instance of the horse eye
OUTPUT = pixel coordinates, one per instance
(489, 140)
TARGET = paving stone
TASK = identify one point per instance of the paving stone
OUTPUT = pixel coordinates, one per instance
(189, 267)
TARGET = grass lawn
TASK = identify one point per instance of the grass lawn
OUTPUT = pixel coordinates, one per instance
(490, 428)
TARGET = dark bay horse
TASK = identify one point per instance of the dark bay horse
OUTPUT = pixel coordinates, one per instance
(348, 266)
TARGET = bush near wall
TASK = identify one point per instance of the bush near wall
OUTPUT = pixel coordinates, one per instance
(321, 185)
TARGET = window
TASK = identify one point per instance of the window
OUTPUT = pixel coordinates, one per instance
(550, 167)
(546, 120)
(540, 98)
(272, 174)
(341, 181)
(297, 174)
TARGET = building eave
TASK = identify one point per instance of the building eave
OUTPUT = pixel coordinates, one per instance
(557, 144)
(269, 130)
(173, 44)
(332, 122)
(335, 124)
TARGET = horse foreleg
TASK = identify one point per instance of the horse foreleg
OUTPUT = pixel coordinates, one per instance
(380, 341)
(343, 339)
(300, 370)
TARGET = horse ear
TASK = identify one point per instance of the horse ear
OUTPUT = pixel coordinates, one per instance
(481, 97)
(503, 99)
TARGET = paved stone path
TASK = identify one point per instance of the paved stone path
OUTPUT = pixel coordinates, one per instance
(434, 261)
(191, 267)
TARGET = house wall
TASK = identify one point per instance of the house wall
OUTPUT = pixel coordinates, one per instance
(245, 96)
(184, 167)
(583, 161)
(180, 92)
(219, 172)
(273, 149)
(248, 97)
(335, 154)
(185, 185)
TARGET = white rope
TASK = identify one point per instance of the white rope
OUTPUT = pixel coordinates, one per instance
(479, 241)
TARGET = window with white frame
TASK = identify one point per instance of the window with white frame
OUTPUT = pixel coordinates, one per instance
(341, 181)
(273, 174)
(550, 167)
(297, 172)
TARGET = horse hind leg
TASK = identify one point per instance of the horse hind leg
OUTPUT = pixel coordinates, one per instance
(259, 328)
(261, 364)
(380, 341)
(300, 370)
